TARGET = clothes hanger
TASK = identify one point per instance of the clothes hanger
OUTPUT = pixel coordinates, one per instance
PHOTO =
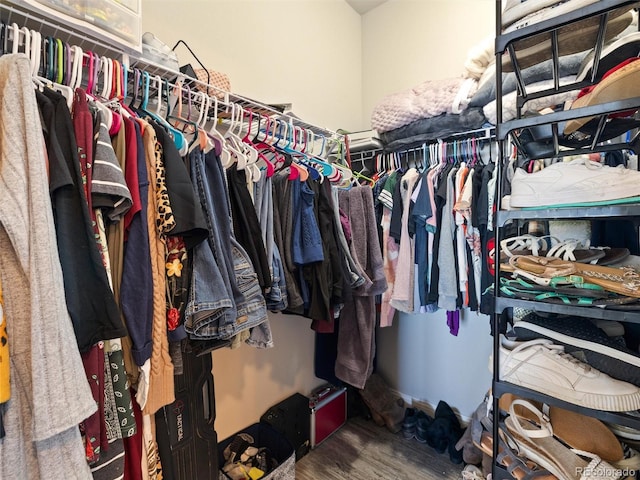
(327, 169)
(298, 149)
(256, 156)
(222, 150)
(302, 172)
(176, 134)
(232, 141)
(200, 138)
(33, 50)
(265, 145)
(77, 60)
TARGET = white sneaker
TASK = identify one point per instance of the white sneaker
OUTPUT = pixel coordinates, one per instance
(544, 367)
(577, 181)
(514, 10)
(537, 11)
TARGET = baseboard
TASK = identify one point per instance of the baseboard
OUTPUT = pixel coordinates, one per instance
(428, 408)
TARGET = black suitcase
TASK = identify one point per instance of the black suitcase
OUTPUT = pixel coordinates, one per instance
(292, 418)
(186, 438)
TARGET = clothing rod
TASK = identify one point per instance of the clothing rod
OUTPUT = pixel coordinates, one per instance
(488, 134)
(133, 59)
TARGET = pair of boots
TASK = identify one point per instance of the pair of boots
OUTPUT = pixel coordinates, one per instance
(387, 409)
(444, 432)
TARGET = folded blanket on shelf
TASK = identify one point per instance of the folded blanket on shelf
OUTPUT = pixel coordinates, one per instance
(430, 129)
(479, 58)
(567, 65)
(535, 105)
(429, 99)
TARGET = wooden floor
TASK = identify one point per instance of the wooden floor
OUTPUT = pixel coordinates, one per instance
(361, 450)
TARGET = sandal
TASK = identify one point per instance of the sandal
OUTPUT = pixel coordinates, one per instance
(624, 281)
(518, 467)
(522, 245)
(536, 441)
(574, 429)
(575, 251)
(548, 246)
(578, 293)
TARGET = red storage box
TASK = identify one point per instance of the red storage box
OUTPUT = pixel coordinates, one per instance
(328, 406)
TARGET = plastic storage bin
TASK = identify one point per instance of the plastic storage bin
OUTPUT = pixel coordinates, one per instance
(265, 436)
(113, 21)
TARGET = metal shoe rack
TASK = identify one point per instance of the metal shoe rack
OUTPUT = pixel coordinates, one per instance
(507, 44)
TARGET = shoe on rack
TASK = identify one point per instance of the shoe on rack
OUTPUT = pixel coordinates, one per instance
(546, 368)
(572, 38)
(522, 13)
(586, 342)
(509, 455)
(619, 83)
(514, 10)
(576, 182)
(612, 54)
(574, 429)
(536, 441)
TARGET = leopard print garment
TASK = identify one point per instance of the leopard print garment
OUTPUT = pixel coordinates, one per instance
(165, 220)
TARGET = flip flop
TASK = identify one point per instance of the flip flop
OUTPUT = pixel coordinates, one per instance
(623, 281)
(613, 255)
(536, 441)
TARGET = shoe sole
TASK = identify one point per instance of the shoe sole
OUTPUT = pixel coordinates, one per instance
(608, 403)
(620, 85)
(573, 38)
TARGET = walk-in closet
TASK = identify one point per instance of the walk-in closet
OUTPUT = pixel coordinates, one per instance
(319, 239)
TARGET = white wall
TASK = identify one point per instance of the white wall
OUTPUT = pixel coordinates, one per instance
(305, 52)
(334, 66)
(405, 43)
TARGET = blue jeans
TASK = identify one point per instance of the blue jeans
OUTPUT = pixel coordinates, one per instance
(225, 295)
(213, 298)
(253, 311)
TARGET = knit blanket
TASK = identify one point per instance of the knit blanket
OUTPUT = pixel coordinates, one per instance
(429, 99)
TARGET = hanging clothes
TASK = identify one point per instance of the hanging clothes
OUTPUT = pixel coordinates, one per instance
(356, 337)
(402, 296)
(49, 399)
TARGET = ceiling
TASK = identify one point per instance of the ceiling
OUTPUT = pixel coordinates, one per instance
(363, 6)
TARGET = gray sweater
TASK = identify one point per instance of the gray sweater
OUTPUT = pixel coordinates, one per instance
(50, 393)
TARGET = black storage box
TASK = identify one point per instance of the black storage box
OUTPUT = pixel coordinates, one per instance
(266, 436)
(292, 418)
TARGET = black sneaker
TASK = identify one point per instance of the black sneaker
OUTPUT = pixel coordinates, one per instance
(409, 423)
(422, 425)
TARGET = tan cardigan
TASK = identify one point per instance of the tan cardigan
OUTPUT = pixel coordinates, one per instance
(161, 389)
